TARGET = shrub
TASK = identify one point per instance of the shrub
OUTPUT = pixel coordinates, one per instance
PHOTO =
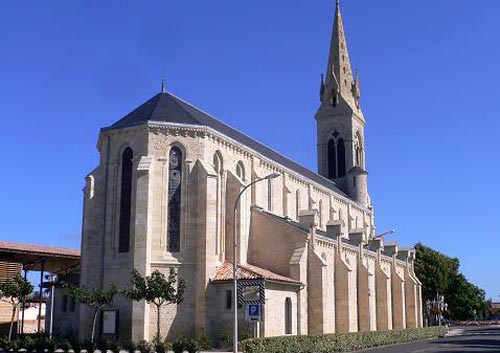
(179, 345)
(7, 345)
(75, 345)
(110, 345)
(158, 345)
(167, 345)
(205, 342)
(225, 338)
(89, 346)
(184, 343)
(341, 342)
(44, 343)
(144, 346)
(3, 343)
(63, 344)
(191, 345)
(28, 343)
(130, 346)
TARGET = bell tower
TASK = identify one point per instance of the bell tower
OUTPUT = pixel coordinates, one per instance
(340, 121)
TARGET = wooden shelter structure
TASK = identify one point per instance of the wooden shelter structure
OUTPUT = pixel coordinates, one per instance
(20, 257)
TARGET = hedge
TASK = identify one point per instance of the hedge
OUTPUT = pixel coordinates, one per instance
(341, 342)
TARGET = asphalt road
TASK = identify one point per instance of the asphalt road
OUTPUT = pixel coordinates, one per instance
(465, 339)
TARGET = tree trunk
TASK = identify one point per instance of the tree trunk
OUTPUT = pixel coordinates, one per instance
(93, 325)
(11, 328)
(158, 323)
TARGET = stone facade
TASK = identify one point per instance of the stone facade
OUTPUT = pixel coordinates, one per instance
(311, 235)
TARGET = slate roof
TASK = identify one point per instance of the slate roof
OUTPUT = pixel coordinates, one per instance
(225, 273)
(165, 107)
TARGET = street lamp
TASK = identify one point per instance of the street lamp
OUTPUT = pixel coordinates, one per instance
(235, 265)
(52, 280)
(390, 231)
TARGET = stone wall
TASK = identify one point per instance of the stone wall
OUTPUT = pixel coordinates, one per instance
(269, 229)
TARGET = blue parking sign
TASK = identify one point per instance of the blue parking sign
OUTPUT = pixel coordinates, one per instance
(253, 312)
(254, 309)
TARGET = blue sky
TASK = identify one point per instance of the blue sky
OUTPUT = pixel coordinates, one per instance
(429, 74)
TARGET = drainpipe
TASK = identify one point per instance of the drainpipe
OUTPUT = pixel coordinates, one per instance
(299, 317)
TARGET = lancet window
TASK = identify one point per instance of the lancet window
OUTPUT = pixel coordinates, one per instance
(240, 170)
(359, 151)
(288, 316)
(125, 200)
(336, 156)
(174, 199)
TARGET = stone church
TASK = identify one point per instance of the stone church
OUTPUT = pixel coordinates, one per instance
(163, 196)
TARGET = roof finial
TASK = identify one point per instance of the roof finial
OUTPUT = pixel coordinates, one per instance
(338, 3)
(163, 90)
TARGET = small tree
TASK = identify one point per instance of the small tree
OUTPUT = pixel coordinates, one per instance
(14, 291)
(94, 298)
(157, 289)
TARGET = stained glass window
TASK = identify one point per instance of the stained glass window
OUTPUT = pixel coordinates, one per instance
(125, 201)
(174, 200)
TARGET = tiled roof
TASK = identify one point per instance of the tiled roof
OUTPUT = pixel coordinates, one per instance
(225, 274)
(40, 250)
(165, 107)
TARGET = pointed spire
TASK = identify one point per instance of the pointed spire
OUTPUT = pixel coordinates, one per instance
(339, 80)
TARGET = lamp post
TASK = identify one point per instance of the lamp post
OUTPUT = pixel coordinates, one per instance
(51, 279)
(235, 258)
(390, 231)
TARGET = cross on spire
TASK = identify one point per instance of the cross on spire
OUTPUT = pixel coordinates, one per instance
(163, 88)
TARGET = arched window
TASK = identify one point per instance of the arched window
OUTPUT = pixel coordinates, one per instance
(332, 160)
(288, 316)
(218, 163)
(125, 201)
(358, 150)
(341, 158)
(174, 199)
(240, 170)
